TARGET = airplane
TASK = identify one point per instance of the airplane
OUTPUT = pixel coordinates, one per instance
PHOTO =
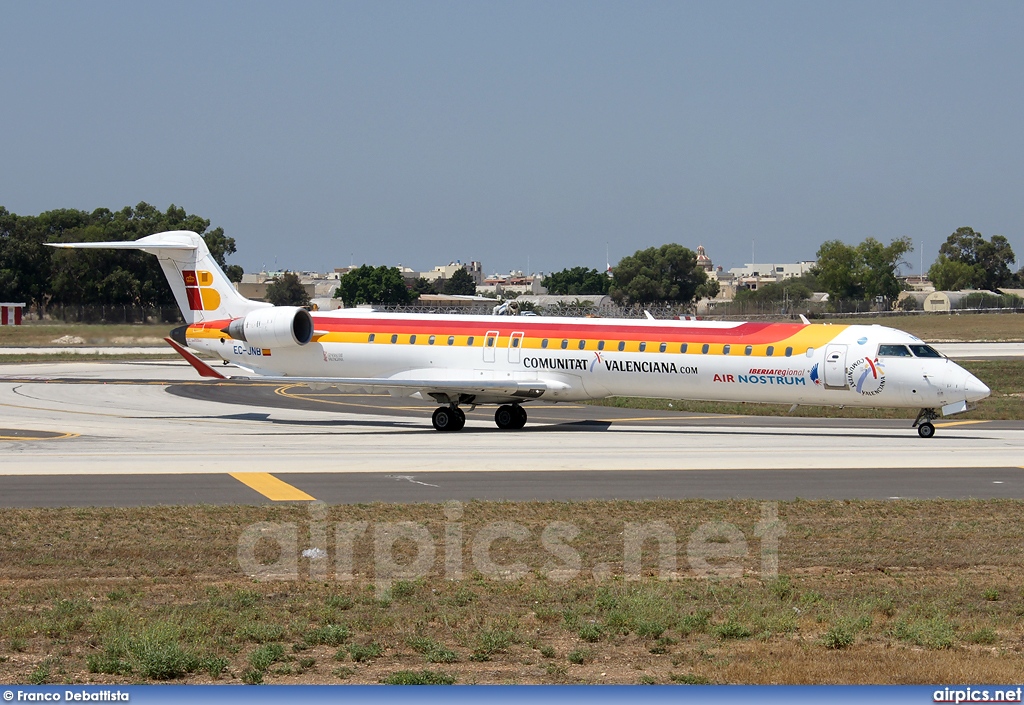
(457, 361)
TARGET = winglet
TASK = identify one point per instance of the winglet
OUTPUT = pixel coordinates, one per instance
(202, 368)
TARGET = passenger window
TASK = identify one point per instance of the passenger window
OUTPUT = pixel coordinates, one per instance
(394, 338)
(600, 345)
(565, 344)
(490, 342)
(469, 340)
(704, 348)
(412, 340)
(515, 342)
(643, 347)
(925, 351)
(893, 351)
(622, 345)
(372, 336)
(583, 344)
(682, 348)
(431, 339)
(663, 347)
(770, 351)
(544, 343)
(451, 340)
(726, 349)
(748, 350)
(789, 352)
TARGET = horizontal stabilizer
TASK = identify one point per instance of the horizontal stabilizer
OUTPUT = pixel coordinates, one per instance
(173, 240)
(202, 368)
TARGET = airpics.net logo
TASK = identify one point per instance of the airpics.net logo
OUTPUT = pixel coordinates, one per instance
(406, 550)
(199, 290)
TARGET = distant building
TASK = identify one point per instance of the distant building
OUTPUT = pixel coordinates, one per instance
(948, 300)
(445, 272)
(453, 300)
(317, 285)
(513, 283)
(703, 261)
(917, 282)
(753, 276)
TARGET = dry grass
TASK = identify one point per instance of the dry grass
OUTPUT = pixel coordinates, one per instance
(945, 327)
(895, 592)
(113, 335)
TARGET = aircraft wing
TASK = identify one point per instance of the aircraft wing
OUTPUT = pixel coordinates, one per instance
(401, 386)
(448, 383)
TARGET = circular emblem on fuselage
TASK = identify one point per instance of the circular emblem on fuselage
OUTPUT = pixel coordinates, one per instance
(866, 376)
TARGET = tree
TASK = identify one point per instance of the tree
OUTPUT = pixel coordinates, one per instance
(24, 261)
(840, 270)
(952, 275)
(423, 286)
(668, 273)
(881, 266)
(990, 260)
(868, 270)
(578, 280)
(373, 285)
(460, 284)
(287, 290)
(792, 290)
(38, 274)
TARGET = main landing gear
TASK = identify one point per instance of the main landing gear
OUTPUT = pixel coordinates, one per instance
(923, 423)
(449, 418)
(510, 417)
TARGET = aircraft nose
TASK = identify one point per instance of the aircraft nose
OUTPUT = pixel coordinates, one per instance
(974, 388)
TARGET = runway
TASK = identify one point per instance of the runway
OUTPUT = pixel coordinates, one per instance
(141, 433)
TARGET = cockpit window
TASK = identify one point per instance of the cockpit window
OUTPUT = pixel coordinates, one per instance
(893, 351)
(925, 351)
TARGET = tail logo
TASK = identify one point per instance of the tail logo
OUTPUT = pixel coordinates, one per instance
(199, 290)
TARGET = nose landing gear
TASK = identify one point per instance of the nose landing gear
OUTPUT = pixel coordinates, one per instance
(923, 423)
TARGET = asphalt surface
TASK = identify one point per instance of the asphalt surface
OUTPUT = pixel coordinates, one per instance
(131, 434)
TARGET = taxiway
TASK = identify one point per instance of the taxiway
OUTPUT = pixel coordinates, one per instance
(136, 433)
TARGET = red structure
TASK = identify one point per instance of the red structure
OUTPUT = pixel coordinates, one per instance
(10, 314)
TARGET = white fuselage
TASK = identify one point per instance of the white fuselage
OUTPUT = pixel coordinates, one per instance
(815, 364)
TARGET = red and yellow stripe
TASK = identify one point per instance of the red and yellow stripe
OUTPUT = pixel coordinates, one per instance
(729, 341)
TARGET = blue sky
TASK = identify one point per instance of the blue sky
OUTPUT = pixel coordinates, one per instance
(522, 134)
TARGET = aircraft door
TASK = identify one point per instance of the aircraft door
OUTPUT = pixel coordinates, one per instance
(835, 366)
(490, 342)
(515, 347)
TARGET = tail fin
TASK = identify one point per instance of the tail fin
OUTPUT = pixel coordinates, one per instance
(202, 290)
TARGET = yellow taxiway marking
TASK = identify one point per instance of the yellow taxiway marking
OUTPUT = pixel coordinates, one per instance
(669, 418)
(947, 424)
(271, 487)
(285, 392)
(58, 437)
